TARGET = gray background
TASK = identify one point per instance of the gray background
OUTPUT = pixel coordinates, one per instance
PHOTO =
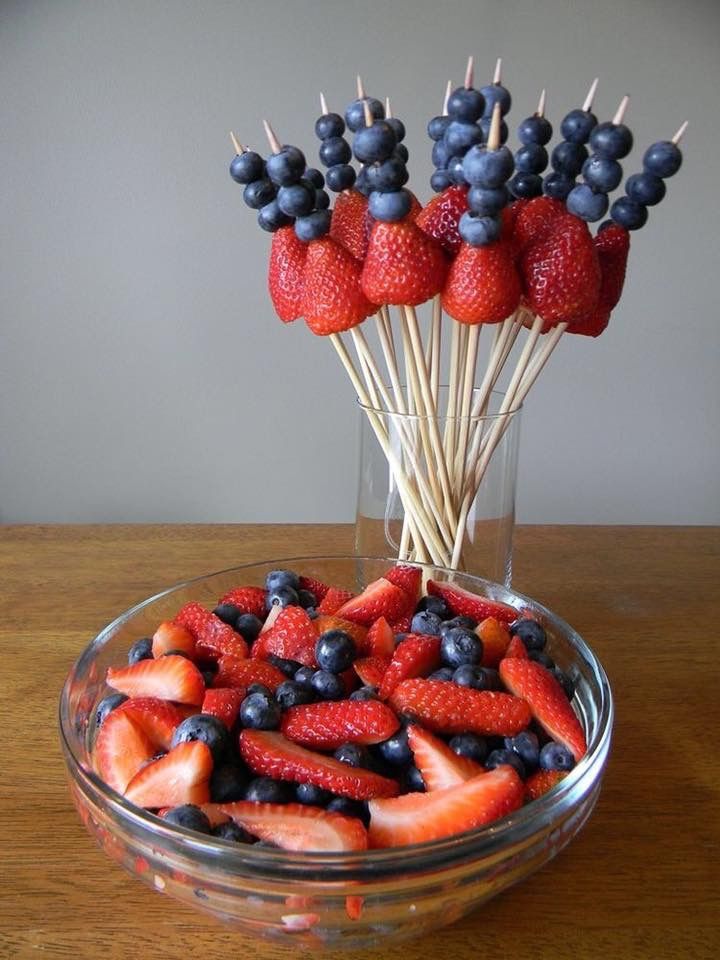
(144, 376)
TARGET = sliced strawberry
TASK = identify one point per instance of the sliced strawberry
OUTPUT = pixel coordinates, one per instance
(172, 636)
(329, 724)
(247, 600)
(380, 640)
(403, 624)
(466, 604)
(293, 636)
(157, 718)
(354, 906)
(548, 702)
(495, 638)
(271, 754)
(517, 649)
(181, 776)
(408, 578)
(327, 622)
(379, 599)
(121, 749)
(439, 765)
(371, 670)
(421, 817)
(170, 678)
(449, 708)
(224, 703)
(236, 673)
(316, 587)
(212, 635)
(541, 781)
(417, 656)
(334, 599)
(294, 826)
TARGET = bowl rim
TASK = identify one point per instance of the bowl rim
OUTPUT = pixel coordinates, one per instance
(435, 854)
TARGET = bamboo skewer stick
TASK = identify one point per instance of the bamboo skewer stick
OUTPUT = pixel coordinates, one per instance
(436, 328)
(465, 407)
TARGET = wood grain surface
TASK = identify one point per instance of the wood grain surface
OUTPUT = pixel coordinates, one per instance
(641, 881)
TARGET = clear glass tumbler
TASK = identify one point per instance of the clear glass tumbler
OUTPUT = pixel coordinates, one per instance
(439, 489)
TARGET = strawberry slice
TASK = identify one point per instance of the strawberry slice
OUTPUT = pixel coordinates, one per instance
(541, 781)
(495, 638)
(121, 749)
(181, 776)
(517, 649)
(371, 670)
(548, 702)
(172, 636)
(329, 724)
(334, 599)
(327, 622)
(224, 703)
(417, 656)
(170, 678)
(295, 826)
(271, 754)
(379, 599)
(421, 817)
(449, 708)
(439, 765)
(156, 718)
(408, 578)
(293, 636)
(236, 673)
(316, 587)
(380, 641)
(466, 604)
(247, 600)
(403, 624)
(213, 636)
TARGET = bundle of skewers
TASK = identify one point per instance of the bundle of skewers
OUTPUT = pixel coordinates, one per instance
(501, 245)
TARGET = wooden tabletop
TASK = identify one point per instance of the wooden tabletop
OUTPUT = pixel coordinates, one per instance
(641, 880)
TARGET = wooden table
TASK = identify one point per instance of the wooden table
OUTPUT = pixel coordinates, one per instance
(641, 881)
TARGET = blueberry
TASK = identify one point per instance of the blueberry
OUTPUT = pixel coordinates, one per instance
(303, 677)
(364, 693)
(565, 682)
(396, 749)
(260, 688)
(328, 686)
(248, 625)
(496, 93)
(558, 185)
(398, 126)
(354, 754)
(487, 202)
(459, 621)
(286, 167)
(313, 226)
(207, 729)
(555, 756)
(350, 808)
(427, 623)
(267, 790)
(271, 218)
(228, 613)
(315, 177)
(322, 202)
(355, 113)
(228, 783)
(503, 756)
(259, 193)
(387, 176)
(469, 745)
(484, 124)
(306, 598)
(578, 125)
(443, 674)
(140, 650)
(362, 184)
(535, 130)
(629, 213)
(260, 713)
(329, 125)
(601, 173)
(539, 656)
(437, 126)
(231, 831)
(612, 140)
(488, 168)
(585, 203)
(460, 136)
(335, 651)
(526, 746)
(390, 207)
(283, 596)
(288, 667)
(662, 158)
(340, 177)
(374, 144)
(106, 706)
(531, 632)
(290, 694)
(531, 158)
(479, 231)
(525, 186)
(246, 167)
(434, 605)
(312, 795)
(298, 199)
(466, 104)
(470, 675)
(492, 679)
(188, 816)
(411, 780)
(568, 158)
(440, 155)
(401, 153)
(455, 171)
(645, 188)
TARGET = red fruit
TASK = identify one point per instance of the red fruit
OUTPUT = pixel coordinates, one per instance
(181, 776)
(334, 599)
(612, 245)
(591, 324)
(292, 636)
(371, 670)
(316, 587)
(354, 906)
(380, 641)
(439, 765)
(561, 272)
(156, 718)
(329, 724)
(379, 599)
(271, 754)
(403, 624)
(239, 673)
(285, 273)
(224, 703)
(403, 265)
(534, 220)
(547, 700)
(247, 600)
(417, 656)
(347, 226)
(421, 817)
(294, 826)
(213, 636)
(170, 678)
(408, 578)
(333, 299)
(449, 708)
(517, 649)
(327, 622)
(121, 749)
(483, 285)
(463, 603)
(541, 781)
(440, 217)
(495, 638)
(172, 636)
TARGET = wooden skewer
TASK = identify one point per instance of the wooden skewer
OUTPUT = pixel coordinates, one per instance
(680, 134)
(367, 113)
(498, 71)
(469, 70)
(448, 91)
(275, 144)
(620, 112)
(436, 333)
(388, 109)
(239, 148)
(540, 112)
(323, 103)
(360, 88)
(588, 102)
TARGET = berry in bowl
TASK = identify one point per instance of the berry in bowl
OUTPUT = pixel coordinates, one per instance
(339, 751)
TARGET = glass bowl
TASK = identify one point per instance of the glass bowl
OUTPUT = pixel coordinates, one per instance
(321, 899)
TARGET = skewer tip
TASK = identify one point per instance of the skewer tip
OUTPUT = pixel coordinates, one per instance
(323, 103)
(239, 148)
(493, 141)
(587, 105)
(540, 112)
(469, 72)
(448, 91)
(498, 71)
(681, 133)
(360, 88)
(369, 119)
(620, 112)
(275, 144)
(388, 109)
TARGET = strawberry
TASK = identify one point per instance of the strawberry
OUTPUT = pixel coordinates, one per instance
(271, 754)
(224, 703)
(157, 718)
(541, 781)
(411, 217)
(329, 724)
(380, 641)
(417, 656)
(354, 905)
(591, 324)
(285, 273)
(347, 226)
(449, 708)
(408, 578)
(235, 673)
(326, 622)
(172, 636)
(334, 599)
(533, 221)
(612, 245)
(403, 624)
(316, 587)
(516, 649)
(561, 272)
(371, 669)
(421, 817)
(483, 285)
(170, 678)
(379, 599)
(439, 765)
(403, 265)
(213, 636)
(180, 776)
(247, 600)
(547, 700)
(463, 603)
(333, 299)
(121, 749)
(292, 636)
(495, 638)
(440, 217)
(294, 826)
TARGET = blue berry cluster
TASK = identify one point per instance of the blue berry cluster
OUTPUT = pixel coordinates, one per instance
(383, 174)
(335, 153)
(601, 171)
(531, 158)
(487, 171)
(643, 190)
(454, 135)
(570, 154)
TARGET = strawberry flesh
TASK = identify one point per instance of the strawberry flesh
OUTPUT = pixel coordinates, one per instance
(171, 678)
(379, 599)
(462, 602)
(181, 776)
(121, 749)
(448, 708)
(327, 725)
(439, 765)
(294, 826)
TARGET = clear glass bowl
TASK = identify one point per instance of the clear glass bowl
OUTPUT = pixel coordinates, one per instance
(325, 900)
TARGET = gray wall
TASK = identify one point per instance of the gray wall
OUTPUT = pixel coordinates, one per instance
(143, 373)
